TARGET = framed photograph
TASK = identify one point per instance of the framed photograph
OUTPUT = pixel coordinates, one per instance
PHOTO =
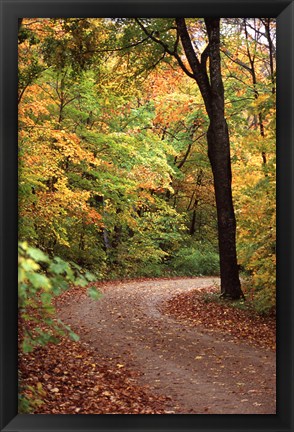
(146, 215)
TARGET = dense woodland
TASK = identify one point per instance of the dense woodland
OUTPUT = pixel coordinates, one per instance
(118, 161)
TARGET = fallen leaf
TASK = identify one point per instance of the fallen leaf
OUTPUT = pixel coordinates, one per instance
(55, 390)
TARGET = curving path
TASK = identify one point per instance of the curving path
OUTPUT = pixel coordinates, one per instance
(202, 372)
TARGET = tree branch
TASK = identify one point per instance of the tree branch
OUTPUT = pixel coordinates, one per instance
(179, 166)
(199, 72)
(236, 60)
(118, 49)
(204, 57)
(166, 48)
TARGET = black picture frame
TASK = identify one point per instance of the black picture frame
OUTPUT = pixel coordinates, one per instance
(11, 10)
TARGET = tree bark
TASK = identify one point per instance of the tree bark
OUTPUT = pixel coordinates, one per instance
(212, 90)
(219, 157)
(193, 223)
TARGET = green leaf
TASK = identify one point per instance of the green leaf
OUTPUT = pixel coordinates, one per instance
(46, 298)
(74, 336)
(59, 284)
(90, 277)
(21, 275)
(37, 254)
(27, 346)
(39, 281)
(94, 293)
(29, 265)
(80, 281)
(59, 266)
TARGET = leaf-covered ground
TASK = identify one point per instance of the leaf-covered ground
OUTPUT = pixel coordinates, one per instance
(70, 379)
(155, 347)
(205, 309)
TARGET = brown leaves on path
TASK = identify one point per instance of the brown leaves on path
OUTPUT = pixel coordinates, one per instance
(71, 379)
(203, 308)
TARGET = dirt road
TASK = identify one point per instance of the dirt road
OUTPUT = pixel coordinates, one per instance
(202, 372)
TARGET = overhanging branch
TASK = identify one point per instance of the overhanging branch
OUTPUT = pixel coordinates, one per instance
(166, 48)
(236, 60)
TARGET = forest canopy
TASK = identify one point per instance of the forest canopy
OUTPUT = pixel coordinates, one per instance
(115, 176)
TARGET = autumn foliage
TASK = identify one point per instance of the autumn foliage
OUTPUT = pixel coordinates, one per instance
(114, 176)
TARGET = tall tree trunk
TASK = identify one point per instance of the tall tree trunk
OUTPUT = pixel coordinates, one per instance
(193, 223)
(212, 90)
(220, 160)
(219, 156)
